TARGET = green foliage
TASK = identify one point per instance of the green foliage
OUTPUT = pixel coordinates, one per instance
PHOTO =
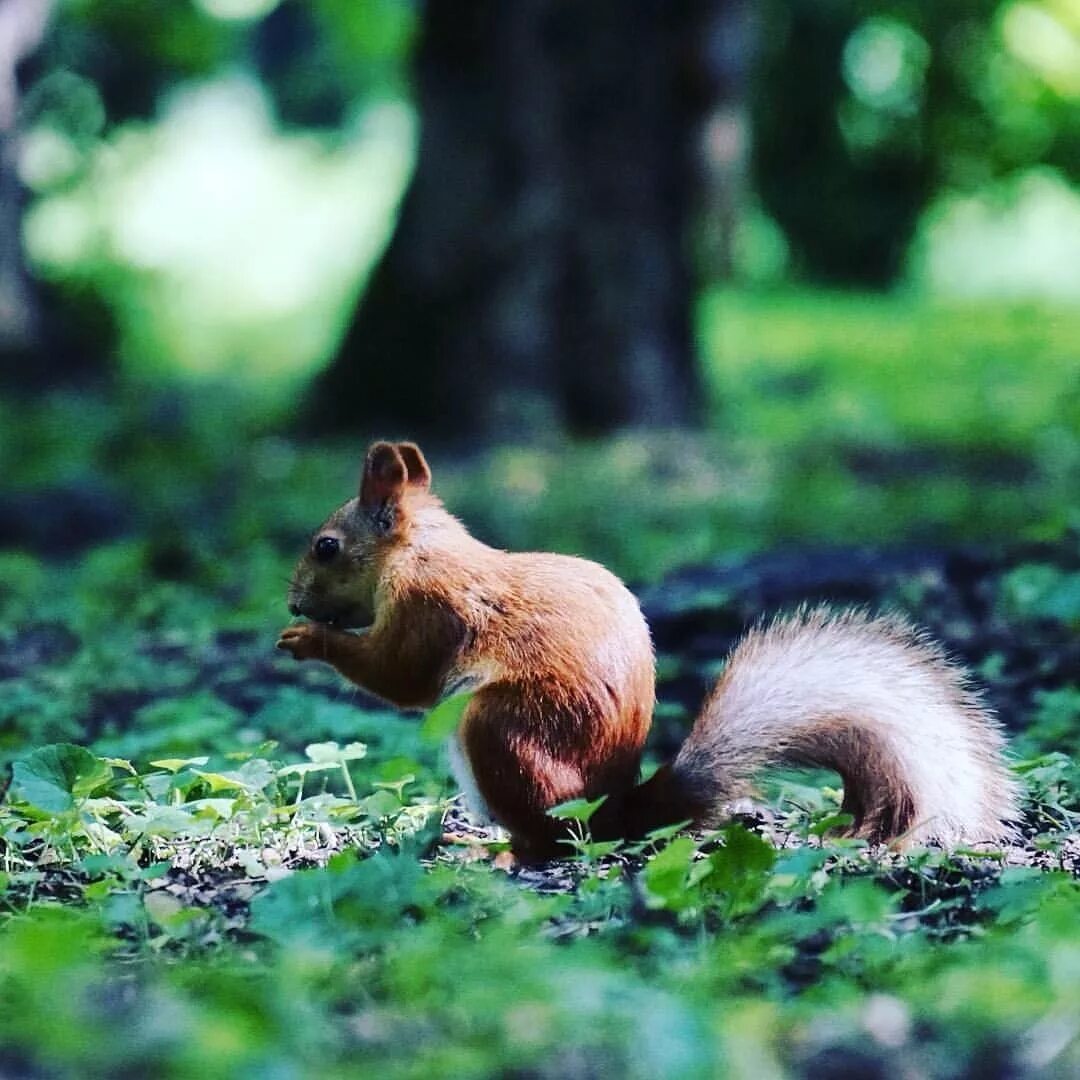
(577, 809)
(444, 719)
(877, 107)
(836, 418)
(429, 969)
(655, 956)
(52, 778)
(179, 896)
(1035, 591)
(350, 904)
(579, 812)
(110, 820)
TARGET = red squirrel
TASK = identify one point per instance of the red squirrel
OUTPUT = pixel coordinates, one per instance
(402, 601)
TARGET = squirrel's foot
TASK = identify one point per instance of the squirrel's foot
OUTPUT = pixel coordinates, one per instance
(305, 641)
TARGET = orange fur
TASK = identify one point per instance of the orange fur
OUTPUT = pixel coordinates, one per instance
(559, 656)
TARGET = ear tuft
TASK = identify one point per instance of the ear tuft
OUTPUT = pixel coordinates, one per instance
(415, 463)
(384, 476)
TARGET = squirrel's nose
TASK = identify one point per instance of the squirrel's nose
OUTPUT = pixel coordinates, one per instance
(294, 609)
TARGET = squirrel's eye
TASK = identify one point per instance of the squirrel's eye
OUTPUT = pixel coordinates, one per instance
(326, 547)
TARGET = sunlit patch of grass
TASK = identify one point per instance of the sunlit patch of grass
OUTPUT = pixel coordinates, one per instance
(794, 367)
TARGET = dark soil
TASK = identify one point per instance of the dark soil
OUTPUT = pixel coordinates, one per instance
(698, 614)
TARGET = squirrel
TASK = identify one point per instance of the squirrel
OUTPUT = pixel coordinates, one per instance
(405, 603)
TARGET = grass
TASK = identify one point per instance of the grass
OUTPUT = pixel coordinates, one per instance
(835, 419)
(204, 873)
(894, 370)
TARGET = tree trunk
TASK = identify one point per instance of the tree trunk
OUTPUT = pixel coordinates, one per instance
(20, 323)
(22, 24)
(537, 277)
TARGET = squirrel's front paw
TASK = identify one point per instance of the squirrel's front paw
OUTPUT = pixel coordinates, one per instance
(305, 641)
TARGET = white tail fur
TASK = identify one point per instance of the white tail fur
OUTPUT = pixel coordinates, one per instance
(920, 754)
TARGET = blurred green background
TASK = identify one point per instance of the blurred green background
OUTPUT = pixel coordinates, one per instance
(652, 288)
(654, 283)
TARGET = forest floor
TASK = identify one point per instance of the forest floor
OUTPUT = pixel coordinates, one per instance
(225, 820)
(217, 862)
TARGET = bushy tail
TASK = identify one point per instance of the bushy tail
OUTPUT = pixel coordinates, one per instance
(920, 756)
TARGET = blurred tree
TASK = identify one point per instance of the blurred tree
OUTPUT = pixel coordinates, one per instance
(134, 53)
(319, 58)
(846, 194)
(865, 109)
(537, 275)
(729, 49)
(100, 61)
(22, 26)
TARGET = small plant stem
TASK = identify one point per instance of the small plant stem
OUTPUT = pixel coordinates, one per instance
(348, 782)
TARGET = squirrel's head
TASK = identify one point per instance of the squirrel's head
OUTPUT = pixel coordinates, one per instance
(336, 578)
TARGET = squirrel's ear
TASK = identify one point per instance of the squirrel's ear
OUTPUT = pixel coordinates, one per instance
(384, 476)
(417, 466)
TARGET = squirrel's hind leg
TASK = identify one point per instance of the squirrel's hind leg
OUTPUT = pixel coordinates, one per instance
(506, 768)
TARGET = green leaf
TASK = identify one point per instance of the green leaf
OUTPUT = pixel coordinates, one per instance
(830, 822)
(445, 718)
(740, 869)
(303, 768)
(213, 809)
(1019, 893)
(122, 909)
(252, 776)
(220, 781)
(347, 902)
(168, 821)
(381, 805)
(175, 764)
(97, 864)
(332, 754)
(596, 849)
(666, 832)
(52, 778)
(664, 876)
(576, 809)
(859, 902)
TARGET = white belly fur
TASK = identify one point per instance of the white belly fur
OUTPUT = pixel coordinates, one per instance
(463, 774)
